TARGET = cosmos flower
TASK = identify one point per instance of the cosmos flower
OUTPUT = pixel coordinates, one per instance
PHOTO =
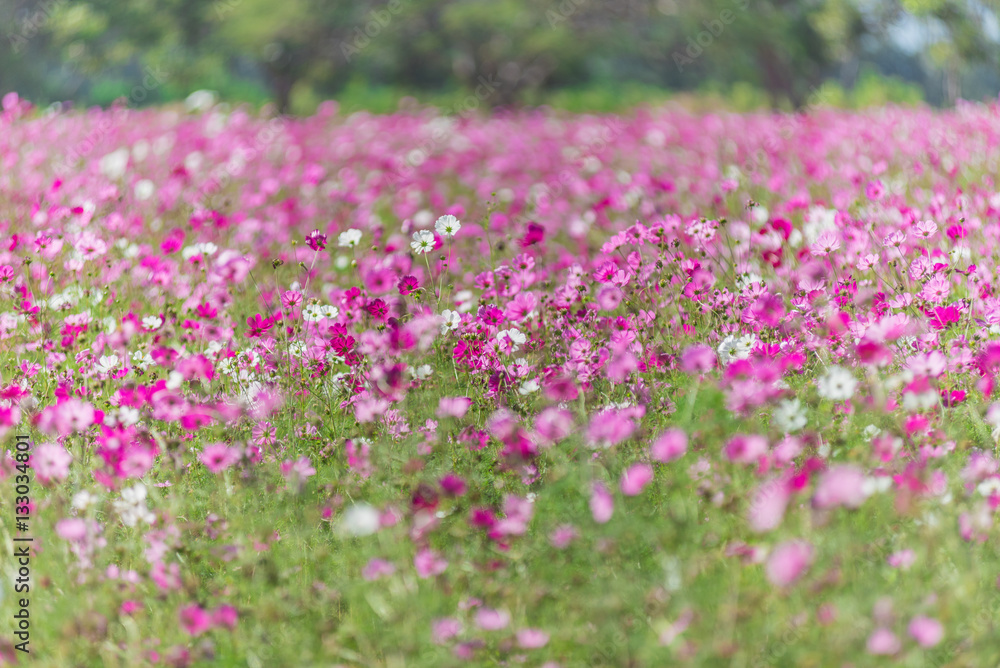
(447, 226)
(423, 242)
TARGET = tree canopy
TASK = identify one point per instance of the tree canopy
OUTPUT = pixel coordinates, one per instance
(258, 50)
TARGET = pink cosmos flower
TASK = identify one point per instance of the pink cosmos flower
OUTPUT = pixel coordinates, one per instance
(194, 620)
(636, 478)
(670, 445)
(51, 462)
(376, 569)
(455, 407)
(609, 427)
(217, 457)
(788, 562)
(489, 619)
(927, 631)
(444, 629)
(874, 190)
(882, 641)
(72, 529)
(532, 638)
(429, 563)
(902, 559)
(225, 616)
(841, 485)
(562, 536)
(601, 503)
(746, 449)
(768, 504)
(698, 358)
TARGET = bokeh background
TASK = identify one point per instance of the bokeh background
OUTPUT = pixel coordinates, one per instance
(593, 55)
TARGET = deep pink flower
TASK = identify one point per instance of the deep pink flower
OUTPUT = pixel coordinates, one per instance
(194, 620)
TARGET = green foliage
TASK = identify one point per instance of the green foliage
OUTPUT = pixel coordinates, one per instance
(560, 52)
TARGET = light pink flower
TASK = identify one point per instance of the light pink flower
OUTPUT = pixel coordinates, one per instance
(927, 631)
(51, 462)
(601, 503)
(767, 507)
(489, 619)
(455, 407)
(841, 485)
(635, 479)
(532, 638)
(788, 562)
(882, 641)
(444, 629)
(217, 457)
(429, 563)
(670, 445)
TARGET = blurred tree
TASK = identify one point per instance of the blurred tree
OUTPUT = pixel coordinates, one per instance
(505, 52)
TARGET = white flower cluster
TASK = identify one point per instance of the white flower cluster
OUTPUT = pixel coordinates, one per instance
(132, 506)
(206, 248)
(736, 348)
(837, 384)
(318, 313)
(349, 239)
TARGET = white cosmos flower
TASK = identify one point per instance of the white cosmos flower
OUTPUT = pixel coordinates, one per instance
(84, 499)
(107, 363)
(318, 313)
(360, 519)
(447, 226)
(128, 415)
(733, 348)
(423, 241)
(113, 164)
(422, 372)
(152, 322)
(142, 359)
(204, 248)
(132, 506)
(349, 239)
(144, 189)
(451, 320)
(517, 338)
(790, 416)
(837, 384)
(528, 387)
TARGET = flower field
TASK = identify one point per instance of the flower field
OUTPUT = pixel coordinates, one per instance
(533, 389)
